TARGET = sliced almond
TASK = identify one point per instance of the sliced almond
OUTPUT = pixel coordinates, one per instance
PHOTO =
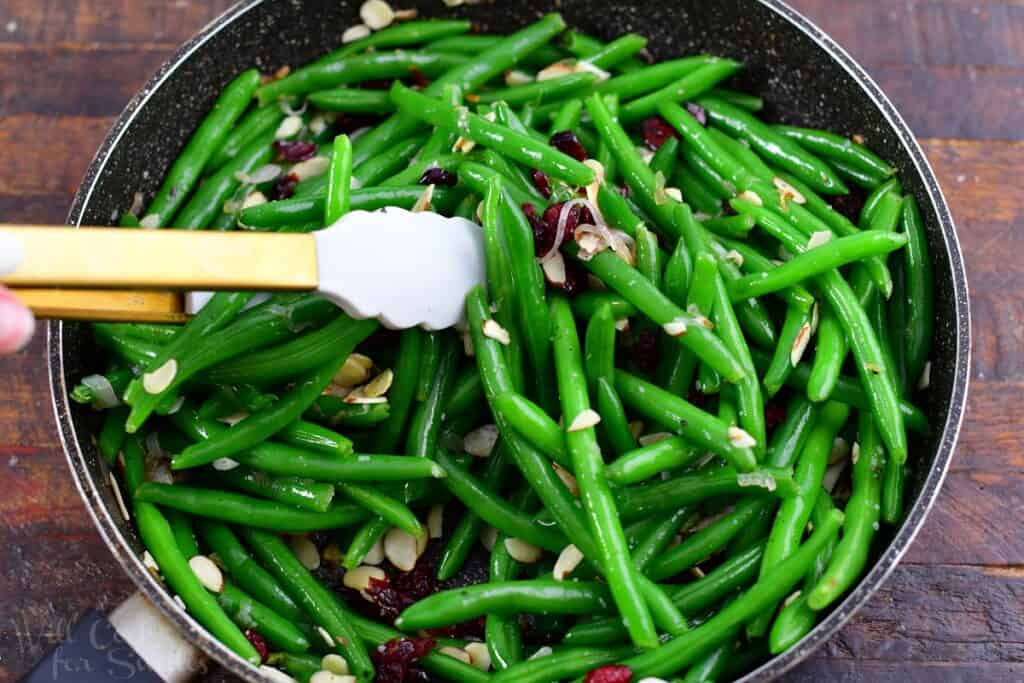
(751, 197)
(585, 420)
(521, 551)
(734, 257)
(119, 498)
(150, 221)
(787, 192)
(455, 653)
(305, 551)
(545, 651)
(335, 663)
(554, 269)
(800, 344)
(675, 327)
(656, 437)
(358, 579)
(567, 561)
(325, 636)
(480, 442)
(406, 14)
(149, 562)
(925, 380)
(377, 14)
(355, 371)
(674, 193)
(161, 378)
(225, 464)
(493, 330)
(567, 478)
(855, 453)
(435, 521)
(479, 655)
(425, 200)
(330, 677)
(400, 549)
(311, 168)
(208, 573)
(741, 439)
(516, 77)
(622, 324)
(380, 384)
(636, 428)
(354, 33)
(288, 128)
(761, 479)
(376, 554)
(819, 238)
(645, 154)
(593, 188)
(454, 3)
(275, 675)
(840, 451)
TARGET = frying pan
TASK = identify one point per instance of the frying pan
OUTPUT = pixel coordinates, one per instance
(804, 76)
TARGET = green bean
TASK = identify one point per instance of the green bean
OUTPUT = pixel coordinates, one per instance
(476, 176)
(707, 175)
(184, 537)
(689, 87)
(305, 209)
(517, 146)
(832, 255)
(637, 174)
(742, 153)
(647, 461)
(286, 460)
(739, 99)
(430, 357)
(586, 304)
(595, 493)
(334, 411)
(568, 116)
(796, 332)
(364, 540)
(299, 666)
(678, 274)
(660, 535)
(538, 92)
(642, 293)
(245, 571)
(389, 162)
(340, 180)
(755, 262)
(565, 663)
(513, 174)
(501, 631)
(537, 596)
(272, 552)
(255, 124)
(685, 648)
(205, 141)
(692, 598)
(403, 34)
(495, 510)
(301, 493)
(862, 516)
(543, 55)
(395, 512)
(262, 424)
(112, 434)
(871, 363)
(251, 614)
(534, 425)
(711, 666)
(650, 78)
(315, 438)
(690, 422)
(729, 226)
(665, 158)
(850, 173)
(238, 509)
(403, 389)
(837, 147)
(355, 69)
(794, 512)
(617, 54)
(208, 201)
(796, 618)
(600, 369)
(425, 423)
(157, 536)
(646, 499)
(696, 191)
(777, 148)
(920, 306)
(352, 101)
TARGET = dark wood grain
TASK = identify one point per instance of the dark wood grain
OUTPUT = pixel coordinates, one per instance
(952, 610)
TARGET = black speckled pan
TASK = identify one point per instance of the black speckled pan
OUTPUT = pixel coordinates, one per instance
(804, 76)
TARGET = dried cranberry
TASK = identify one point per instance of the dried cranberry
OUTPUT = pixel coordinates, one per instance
(388, 598)
(697, 112)
(850, 205)
(567, 143)
(257, 641)
(697, 398)
(541, 182)
(394, 659)
(774, 414)
(644, 350)
(656, 131)
(615, 673)
(575, 278)
(417, 78)
(284, 187)
(438, 176)
(294, 150)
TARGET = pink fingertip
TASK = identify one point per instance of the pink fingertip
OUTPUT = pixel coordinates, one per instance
(16, 326)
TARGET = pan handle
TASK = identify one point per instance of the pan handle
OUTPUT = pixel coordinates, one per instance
(136, 643)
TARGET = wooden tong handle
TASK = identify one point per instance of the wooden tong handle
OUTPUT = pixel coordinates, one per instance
(62, 269)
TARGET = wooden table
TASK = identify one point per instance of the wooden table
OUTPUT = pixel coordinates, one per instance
(955, 68)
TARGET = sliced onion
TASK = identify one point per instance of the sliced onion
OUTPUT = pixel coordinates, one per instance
(563, 218)
(104, 392)
(286, 108)
(264, 174)
(153, 448)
